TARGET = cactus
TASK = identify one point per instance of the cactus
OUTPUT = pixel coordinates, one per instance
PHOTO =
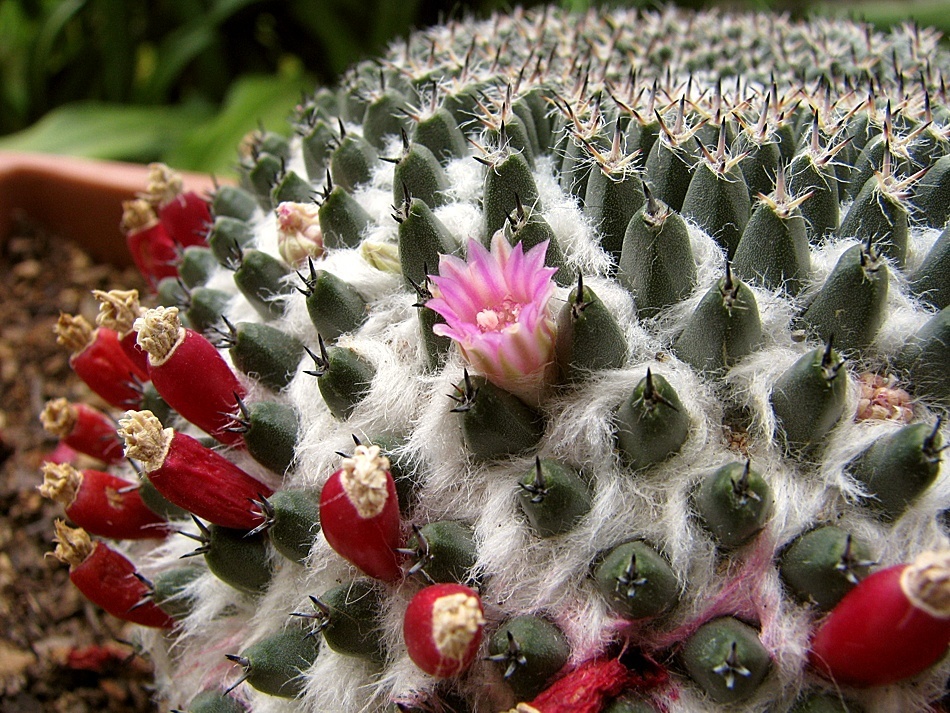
(635, 312)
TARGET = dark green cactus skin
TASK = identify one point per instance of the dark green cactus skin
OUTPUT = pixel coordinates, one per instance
(262, 280)
(898, 468)
(725, 657)
(419, 173)
(877, 216)
(668, 173)
(275, 664)
(263, 176)
(436, 347)
(925, 359)
(719, 203)
(508, 181)
(820, 211)
(353, 625)
(496, 424)
(385, 116)
(233, 202)
(932, 195)
(656, 262)
(422, 239)
(205, 307)
(152, 401)
(760, 164)
(733, 503)
(335, 308)
(271, 434)
(168, 590)
(808, 399)
(823, 564)
(405, 472)
(773, 250)
(266, 353)
(170, 293)
(342, 219)
(535, 651)
(526, 226)
(630, 703)
(315, 146)
(238, 559)
(197, 265)
(850, 305)
(589, 338)
(215, 702)
(611, 201)
(825, 703)
(344, 380)
(440, 133)
(636, 581)
(352, 162)
(553, 497)
(724, 328)
(651, 424)
(291, 187)
(931, 281)
(228, 237)
(293, 522)
(444, 551)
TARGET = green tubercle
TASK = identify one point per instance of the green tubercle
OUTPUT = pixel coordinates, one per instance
(733, 503)
(554, 497)
(651, 424)
(636, 581)
(275, 665)
(495, 423)
(589, 339)
(822, 565)
(528, 650)
(726, 659)
(656, 261)
(809, 398)
(724, 327)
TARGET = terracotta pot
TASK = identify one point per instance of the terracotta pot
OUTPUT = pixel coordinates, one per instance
(77, 198)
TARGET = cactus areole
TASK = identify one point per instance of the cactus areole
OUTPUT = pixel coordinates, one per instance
(647, 311)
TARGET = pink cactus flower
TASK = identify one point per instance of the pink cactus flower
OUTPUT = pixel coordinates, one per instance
(497, 308)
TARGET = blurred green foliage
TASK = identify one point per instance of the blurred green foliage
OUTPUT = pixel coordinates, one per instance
(183, 80)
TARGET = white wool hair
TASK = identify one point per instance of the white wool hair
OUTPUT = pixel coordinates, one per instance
(551, 576)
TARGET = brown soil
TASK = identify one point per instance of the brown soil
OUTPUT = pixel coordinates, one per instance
(58, 653)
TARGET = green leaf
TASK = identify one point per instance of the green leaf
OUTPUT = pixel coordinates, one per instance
(252, 101)
(108, 131)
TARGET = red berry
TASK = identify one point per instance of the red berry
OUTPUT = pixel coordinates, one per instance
(893, 625)
(190, 374)
(84, 428)
(443, 629)
(101, 503)
(359, 514)
(192, 476)
(153, 250)
(99, 360)
(118, 310)
(184, 215)
(107, 578)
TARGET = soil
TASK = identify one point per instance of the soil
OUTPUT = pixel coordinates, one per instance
(58, 653)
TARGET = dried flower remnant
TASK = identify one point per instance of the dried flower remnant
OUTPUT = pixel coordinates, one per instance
(497, 308)
(881, 399)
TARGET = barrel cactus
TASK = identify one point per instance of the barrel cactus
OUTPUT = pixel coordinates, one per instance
(555, 363)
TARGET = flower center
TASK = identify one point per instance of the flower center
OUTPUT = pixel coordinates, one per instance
(499, 317)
